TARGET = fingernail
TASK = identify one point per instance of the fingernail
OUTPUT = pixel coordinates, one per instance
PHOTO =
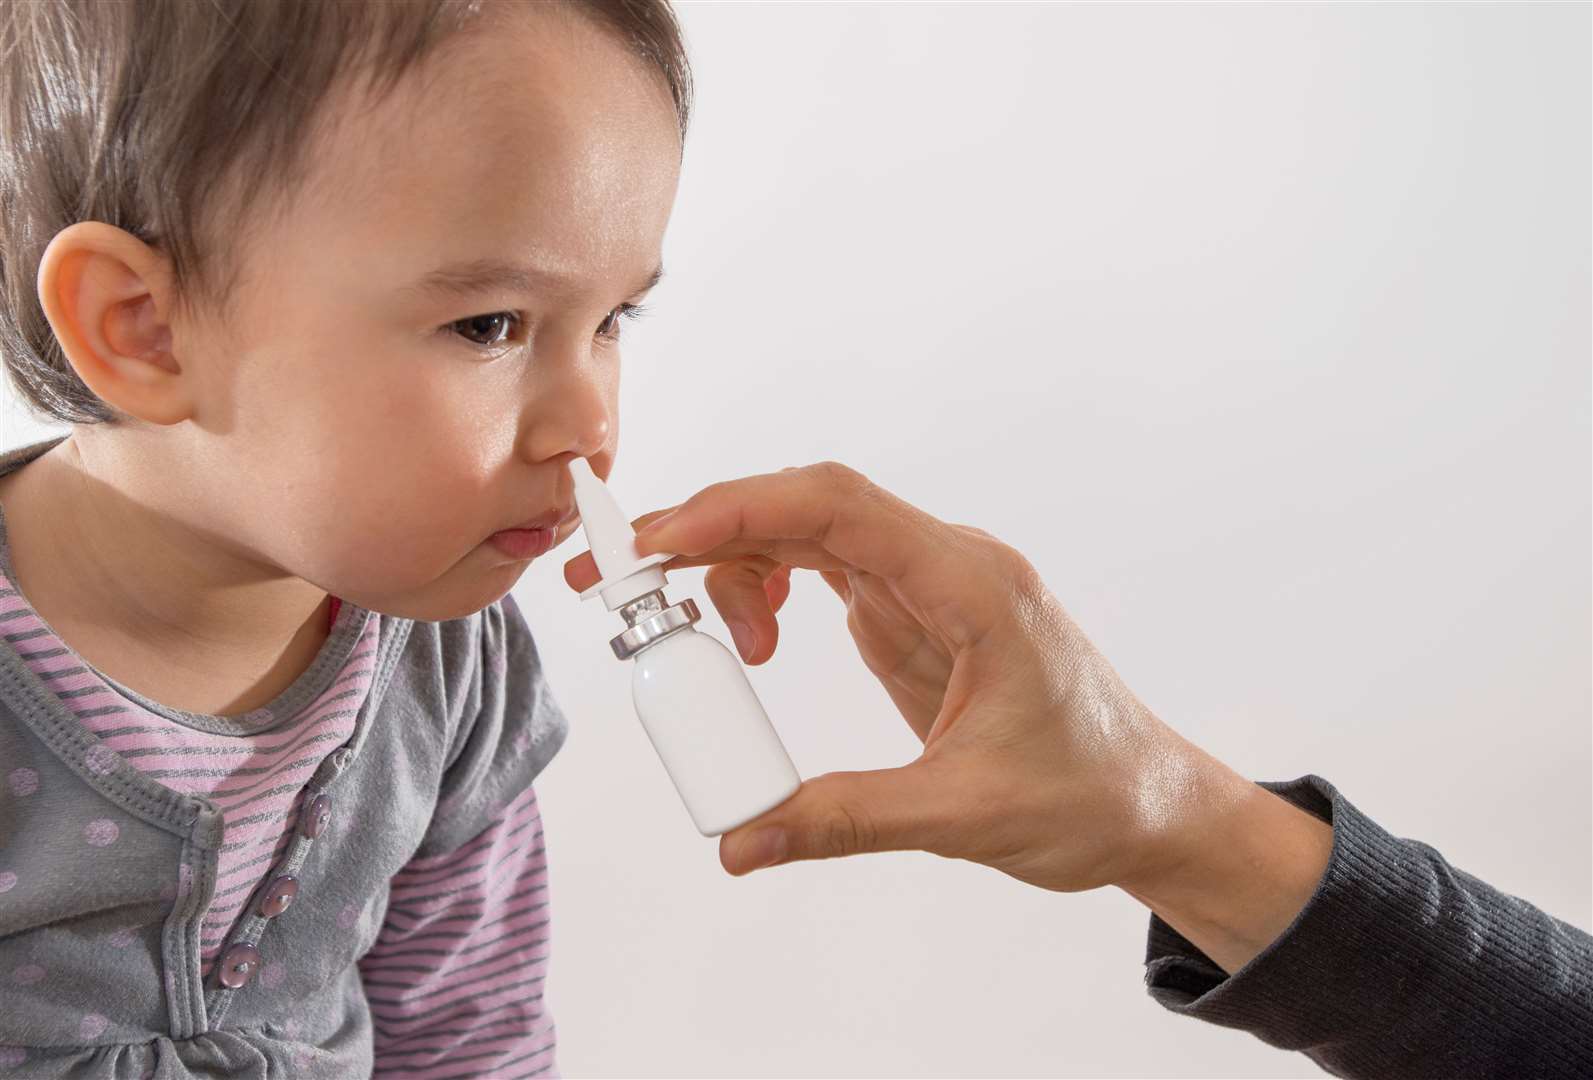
(746, 640)
(763, 848)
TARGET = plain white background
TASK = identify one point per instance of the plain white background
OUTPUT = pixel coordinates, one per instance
(1263, 331)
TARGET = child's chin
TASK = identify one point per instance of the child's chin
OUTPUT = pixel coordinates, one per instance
(479, 590)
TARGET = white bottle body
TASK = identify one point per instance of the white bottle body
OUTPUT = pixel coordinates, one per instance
(709, 728)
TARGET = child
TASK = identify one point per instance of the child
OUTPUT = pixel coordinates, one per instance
(329, 294)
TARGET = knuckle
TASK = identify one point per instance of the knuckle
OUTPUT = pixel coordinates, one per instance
(1011, 572)
(732, 576)
(1009, 562)
(1021, 572)
(842, 476)
(846, 832)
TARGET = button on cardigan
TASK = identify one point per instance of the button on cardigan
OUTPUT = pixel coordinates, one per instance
(349, 880)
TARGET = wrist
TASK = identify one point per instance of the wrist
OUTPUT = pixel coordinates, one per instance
(1231, 864)
(1186, 805)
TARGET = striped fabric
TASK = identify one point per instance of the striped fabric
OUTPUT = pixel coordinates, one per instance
(254, 780)
(455, 978)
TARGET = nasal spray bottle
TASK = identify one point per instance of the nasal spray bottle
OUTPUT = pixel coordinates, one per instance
(691, 693)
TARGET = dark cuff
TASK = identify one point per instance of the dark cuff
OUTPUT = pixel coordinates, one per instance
(1399, 965)
(1309, 986)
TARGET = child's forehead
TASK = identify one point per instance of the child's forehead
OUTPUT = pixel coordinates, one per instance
(538, 92)
(524, 139)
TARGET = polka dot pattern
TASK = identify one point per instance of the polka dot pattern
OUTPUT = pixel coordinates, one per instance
(104, 833)
(101, 832)
(100, 760)
(27, 974)
(192, 760)
(23, 782)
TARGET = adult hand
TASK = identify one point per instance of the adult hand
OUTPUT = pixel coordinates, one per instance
(1035, 754)
(1037, 761)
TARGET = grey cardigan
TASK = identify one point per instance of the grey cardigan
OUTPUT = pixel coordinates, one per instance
(440, 743)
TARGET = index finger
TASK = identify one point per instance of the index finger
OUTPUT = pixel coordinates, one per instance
(934, 564)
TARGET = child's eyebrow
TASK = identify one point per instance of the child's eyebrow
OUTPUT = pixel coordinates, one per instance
(477, 276)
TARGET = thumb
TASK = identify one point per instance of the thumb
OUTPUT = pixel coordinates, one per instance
(841, 813)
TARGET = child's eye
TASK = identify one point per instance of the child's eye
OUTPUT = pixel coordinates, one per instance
(481, 325)
(484, 331)
(610, 326)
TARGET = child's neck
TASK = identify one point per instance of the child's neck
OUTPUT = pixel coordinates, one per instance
(149, 602)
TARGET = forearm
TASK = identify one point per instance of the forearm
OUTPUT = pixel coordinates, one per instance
(1233, 865)
(1399, 964)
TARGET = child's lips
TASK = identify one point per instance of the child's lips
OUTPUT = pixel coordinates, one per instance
(553, 520)
(524, 543)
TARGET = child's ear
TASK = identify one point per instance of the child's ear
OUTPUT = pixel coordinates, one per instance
(107, 296)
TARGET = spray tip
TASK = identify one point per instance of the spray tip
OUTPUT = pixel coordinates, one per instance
(613, 542)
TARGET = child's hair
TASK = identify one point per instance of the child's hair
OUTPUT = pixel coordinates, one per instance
(142, 114)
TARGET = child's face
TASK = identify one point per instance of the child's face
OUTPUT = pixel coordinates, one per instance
(356, 436)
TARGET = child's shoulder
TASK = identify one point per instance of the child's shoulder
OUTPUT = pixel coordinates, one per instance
(458, 662)
(484, 693)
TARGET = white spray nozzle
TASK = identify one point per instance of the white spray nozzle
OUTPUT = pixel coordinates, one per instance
(623, 575)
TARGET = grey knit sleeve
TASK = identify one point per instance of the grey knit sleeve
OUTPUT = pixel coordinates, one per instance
(510, 727)
(1399, 965)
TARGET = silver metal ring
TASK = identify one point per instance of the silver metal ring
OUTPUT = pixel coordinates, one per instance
(655, 627)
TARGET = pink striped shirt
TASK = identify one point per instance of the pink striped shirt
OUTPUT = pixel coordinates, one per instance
(455, 979)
